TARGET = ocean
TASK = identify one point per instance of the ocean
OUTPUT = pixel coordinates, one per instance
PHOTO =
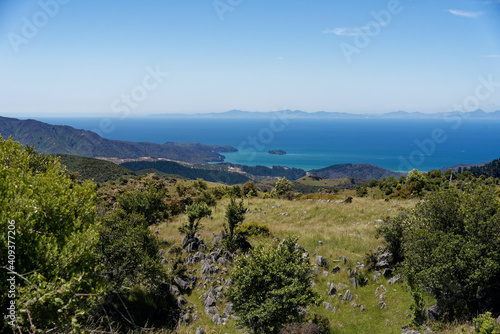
(395, 144)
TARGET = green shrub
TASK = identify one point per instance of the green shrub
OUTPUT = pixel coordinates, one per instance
(485, 324)
(253, 229)
(269, 286)
(449, 247)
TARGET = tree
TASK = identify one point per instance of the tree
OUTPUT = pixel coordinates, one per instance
(415, 182)
(53, 219)
(249, 189)
(450, 249)
(235, 214)
(269, 286)
(282, 187)
(195, 213)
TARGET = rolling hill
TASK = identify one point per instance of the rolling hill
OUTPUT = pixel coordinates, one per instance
(359, 171)
(63, 139)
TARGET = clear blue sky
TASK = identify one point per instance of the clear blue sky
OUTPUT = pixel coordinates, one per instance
(255, 55)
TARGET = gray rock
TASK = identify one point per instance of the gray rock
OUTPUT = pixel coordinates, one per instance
(211, 310)
(216, 319)
(354, 282)
(382, 305)
(184, 318)
(182, 283)
(344, 260)
(173, 290)
(320, 242)
(332, 290)
(434, 313)
(227, 311)
(347, 296)
(200, 330)
(387, 272)
(362, 308)
(412, 331)
(380, 290)
(229, 282)
(219, 296)
(327, 305)
(394, 279)
(497, 321)
(336, 269)
(181, 301)
(321, 261)
(210, 301)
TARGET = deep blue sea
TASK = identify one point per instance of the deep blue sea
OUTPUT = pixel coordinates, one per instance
(395, 144)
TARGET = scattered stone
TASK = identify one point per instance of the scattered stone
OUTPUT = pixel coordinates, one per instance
(381, 297)
(184, 318)
(332, 290)
(344, 260)
(227, 311)
(200, 330)
(327, 305)
(211, 310)
(181, 283)
(362, 308)
(321, 261)
(387, 272)
(347, 296)
(434, 313)
(354, 282)
(336, 269)
(181, 301)
(320, 242)
(394, 279)
(382, 305)
(380, 289)
(210, 301)
(325, 273)
(216, 319)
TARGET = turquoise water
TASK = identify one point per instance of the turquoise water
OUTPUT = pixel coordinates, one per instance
(396, 144)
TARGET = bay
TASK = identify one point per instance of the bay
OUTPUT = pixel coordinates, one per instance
(395, 144)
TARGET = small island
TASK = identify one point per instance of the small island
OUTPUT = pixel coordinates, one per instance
(276, 152)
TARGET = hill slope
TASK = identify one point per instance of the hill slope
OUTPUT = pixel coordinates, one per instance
(361, 171)
(170, 167)
(61, 139)
(90, 168)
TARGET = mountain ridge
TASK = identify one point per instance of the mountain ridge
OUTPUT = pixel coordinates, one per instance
(476, 114)
(64, 139)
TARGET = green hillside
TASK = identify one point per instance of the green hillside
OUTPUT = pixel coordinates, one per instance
(193, 173)
(58, 139)
(93, 169)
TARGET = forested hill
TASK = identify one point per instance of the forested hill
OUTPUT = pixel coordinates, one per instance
(361, 171)
(49, 139)
(491, 169)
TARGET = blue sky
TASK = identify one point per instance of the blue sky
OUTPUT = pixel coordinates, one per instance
(89, 58)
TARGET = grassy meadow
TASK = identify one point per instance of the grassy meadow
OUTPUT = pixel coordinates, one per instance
(330, 228)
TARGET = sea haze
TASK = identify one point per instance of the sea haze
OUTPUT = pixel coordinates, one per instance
(395, 144)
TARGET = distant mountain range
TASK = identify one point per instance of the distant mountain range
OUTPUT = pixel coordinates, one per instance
(64, 139)
(480, 114)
